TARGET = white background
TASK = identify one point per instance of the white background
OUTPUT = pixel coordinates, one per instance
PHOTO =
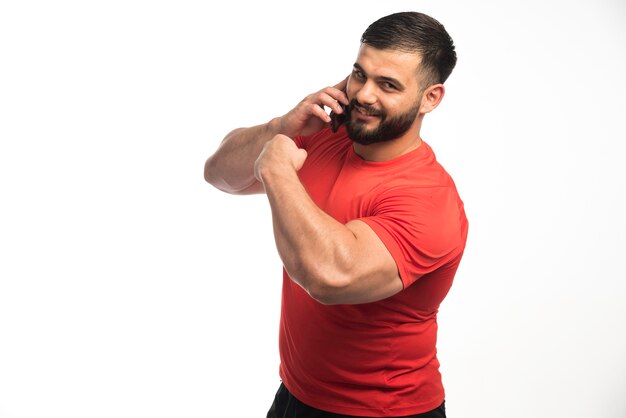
(130, 288)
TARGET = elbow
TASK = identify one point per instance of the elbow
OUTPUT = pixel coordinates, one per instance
(209, 175)
(326, 295)
(326, 286)
(213, 177)
(328, 280)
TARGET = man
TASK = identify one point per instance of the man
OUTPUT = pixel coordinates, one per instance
(370, 228)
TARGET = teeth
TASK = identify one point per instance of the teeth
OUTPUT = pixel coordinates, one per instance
(364, 112)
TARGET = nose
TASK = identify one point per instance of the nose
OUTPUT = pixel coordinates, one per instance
(366, 94)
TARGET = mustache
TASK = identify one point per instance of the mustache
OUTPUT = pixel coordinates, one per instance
(367, 109)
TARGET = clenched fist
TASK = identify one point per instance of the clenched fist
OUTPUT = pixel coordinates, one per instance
(280, 155)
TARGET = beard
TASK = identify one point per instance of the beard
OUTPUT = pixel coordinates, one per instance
(389, 128)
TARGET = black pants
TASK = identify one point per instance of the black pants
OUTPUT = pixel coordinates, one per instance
(287, 406)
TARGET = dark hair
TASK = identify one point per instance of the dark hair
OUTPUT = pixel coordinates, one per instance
(415, 32)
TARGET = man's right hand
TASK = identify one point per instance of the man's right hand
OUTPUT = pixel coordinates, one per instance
(309, 116)
(231, 167)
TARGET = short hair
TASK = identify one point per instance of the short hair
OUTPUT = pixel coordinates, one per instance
(415, 32)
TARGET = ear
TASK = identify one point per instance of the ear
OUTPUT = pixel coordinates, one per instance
(431, 97)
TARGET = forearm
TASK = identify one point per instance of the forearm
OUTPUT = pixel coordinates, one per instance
(314, 247)
(333, 262)
(231, 167)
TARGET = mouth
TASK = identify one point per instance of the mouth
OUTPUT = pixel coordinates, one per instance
(364, 113)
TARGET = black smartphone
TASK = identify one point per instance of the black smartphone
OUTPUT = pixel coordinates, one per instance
(337, 119)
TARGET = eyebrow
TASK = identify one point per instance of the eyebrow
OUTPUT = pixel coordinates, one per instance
(391, 80)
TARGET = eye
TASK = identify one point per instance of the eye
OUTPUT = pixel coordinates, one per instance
(358, 74)
(389, 86)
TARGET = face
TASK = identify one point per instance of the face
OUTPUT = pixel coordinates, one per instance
(384, 95)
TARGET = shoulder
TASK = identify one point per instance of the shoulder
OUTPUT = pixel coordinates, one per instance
(422, 200)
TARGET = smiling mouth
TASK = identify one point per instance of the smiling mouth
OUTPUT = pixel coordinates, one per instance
(364, 112)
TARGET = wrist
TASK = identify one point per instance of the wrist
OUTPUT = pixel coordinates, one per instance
(269, 174)
(275, 126)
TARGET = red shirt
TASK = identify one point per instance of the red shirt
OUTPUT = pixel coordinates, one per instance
(380, 358)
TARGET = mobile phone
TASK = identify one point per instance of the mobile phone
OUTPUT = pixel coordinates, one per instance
(337, 119)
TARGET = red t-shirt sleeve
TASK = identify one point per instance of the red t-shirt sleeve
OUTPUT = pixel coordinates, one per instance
(421, 227)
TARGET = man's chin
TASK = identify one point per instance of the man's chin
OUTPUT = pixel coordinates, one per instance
(364, 139)
(360, 131)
